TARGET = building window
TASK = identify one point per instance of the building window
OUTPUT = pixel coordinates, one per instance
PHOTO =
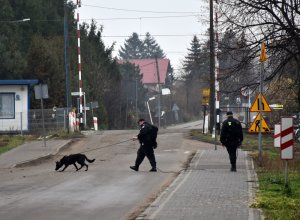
(7, 105)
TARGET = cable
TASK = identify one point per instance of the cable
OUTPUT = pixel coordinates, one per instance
(138, 18)
(156, 12)
(158, 35)
(106, 146)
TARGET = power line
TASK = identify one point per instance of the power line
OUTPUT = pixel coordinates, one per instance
(138, 18)
(143, 11)
(117, 18)
(158, 35)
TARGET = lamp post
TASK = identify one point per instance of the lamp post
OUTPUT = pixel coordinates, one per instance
(16, 21)
(152, 98)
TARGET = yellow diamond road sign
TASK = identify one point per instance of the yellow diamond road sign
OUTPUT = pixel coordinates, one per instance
(255, 127)
(265, 105)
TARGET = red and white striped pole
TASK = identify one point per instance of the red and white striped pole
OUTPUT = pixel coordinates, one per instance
(287, 142)
(287, 138)
(79, 66)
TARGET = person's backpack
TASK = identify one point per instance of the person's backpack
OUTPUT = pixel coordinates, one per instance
(154, 131)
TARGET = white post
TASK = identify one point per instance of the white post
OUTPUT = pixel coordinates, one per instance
(21, 116)
(149, 112)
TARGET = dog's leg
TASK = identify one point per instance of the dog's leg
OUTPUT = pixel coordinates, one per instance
(87, 167)
(76, 166)
(64, 168)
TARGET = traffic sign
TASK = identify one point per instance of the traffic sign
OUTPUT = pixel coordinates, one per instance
(287, 142)
(255, 126)
(265, 105)
(277, 138)
(205, 96)
(263, 53)
(276, 106)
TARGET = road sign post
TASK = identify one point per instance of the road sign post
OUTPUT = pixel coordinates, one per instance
(262, 59)
(287, 142)
(277, 136)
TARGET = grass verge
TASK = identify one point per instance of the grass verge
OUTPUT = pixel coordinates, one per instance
(8, 142)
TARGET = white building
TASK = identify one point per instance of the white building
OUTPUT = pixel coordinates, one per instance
(15, 105)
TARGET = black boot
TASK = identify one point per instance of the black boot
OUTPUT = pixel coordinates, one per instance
(233, 168)
(135, 168)
(153, 169)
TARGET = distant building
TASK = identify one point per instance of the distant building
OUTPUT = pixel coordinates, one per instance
(149, 69)
(15, 104)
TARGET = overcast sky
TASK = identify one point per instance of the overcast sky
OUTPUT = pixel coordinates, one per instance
(171, 22)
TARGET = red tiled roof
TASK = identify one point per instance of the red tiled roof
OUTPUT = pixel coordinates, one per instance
(149, 71)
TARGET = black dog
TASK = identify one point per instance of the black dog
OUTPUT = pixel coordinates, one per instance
(72, 159)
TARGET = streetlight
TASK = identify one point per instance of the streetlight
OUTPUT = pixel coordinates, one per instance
(17, 21)
(152, 98)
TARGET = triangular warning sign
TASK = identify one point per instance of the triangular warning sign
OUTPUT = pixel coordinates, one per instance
(255, 126)
(265, 105)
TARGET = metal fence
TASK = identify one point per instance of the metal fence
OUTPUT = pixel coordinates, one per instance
(53, 120)
(32, 121)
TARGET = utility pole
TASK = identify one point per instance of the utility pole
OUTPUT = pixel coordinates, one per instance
(212, 110)
(81, 125)
(159, 91)
(66, 58)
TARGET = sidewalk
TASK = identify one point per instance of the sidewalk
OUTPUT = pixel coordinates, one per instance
(31, 152)
(208, 190)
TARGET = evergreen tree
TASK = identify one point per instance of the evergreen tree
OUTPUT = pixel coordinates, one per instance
(45, 64)
(151, 48)
(132, 94)
(192, 61)
(12, 60)
(195, 76)
(133, 48)
(101, 76)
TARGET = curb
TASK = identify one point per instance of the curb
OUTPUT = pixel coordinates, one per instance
(254, 213)
(41, 159)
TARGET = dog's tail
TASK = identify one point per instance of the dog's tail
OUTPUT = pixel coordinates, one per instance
(89, 160)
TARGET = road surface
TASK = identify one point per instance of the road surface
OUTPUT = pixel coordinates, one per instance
(108, 190)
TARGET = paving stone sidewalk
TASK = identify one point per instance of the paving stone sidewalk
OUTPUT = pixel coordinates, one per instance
(208, 190)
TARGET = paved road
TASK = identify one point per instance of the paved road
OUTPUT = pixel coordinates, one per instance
(109, 190)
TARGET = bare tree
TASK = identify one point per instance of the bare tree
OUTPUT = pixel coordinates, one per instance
(273, 21)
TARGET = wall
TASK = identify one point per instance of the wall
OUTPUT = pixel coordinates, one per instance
(21, 107)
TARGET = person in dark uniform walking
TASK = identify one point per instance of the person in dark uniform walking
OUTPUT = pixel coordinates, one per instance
(146, 146)
(231, 137)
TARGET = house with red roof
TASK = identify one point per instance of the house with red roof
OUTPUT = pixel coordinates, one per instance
(154, 71)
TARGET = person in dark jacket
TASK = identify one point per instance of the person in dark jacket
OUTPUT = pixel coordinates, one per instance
(146, 146)
(231, 137)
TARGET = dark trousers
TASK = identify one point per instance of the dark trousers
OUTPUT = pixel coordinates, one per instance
(232, 155)
(145, 151)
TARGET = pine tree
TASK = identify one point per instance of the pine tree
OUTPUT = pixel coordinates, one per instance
(192, 61)
(151, 48)
(132, 94)
(133, 48)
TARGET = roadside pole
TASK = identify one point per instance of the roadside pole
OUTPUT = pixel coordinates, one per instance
(262, 59)
(41, 92)
(286, 143)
